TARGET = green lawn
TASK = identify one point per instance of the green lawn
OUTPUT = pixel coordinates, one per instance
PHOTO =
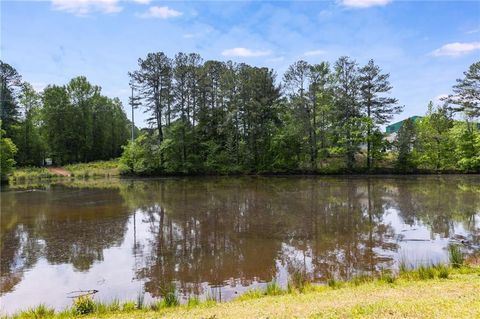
(457, 297)
(408, 296)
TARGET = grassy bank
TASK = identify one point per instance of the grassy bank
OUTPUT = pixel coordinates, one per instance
(426, 292)
(82, 170)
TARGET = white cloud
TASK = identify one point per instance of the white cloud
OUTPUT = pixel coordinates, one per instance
(161, 12)
(364, 3)
(472, 31)
(314, 53)
(456, 49)
(244, 52)
(142, 1)
(84, 7)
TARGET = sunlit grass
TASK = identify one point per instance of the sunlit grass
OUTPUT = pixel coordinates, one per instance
(422, 275)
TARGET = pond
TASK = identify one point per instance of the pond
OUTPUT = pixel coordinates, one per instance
(217, 237)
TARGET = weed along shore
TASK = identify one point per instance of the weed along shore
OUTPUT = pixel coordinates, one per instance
(426, 291)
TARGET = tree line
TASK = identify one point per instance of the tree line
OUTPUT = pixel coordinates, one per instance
(225, 117)
(68, 123)
(212, 116)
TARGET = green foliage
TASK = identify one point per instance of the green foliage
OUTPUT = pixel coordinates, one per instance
(7, 153)
(435, 146)
(273, 289)
(388, 277)
(404, 146)
(40, 311)
(129, 306)
(222, 117)
(170, 298)
(443, 272)
(426, 272)
(251, 294)
(83, 305)
(298, 280)
(465, 137)
(455, 255)
(193, 301)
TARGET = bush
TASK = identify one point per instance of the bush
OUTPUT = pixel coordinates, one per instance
(83, 305)
(7, 152)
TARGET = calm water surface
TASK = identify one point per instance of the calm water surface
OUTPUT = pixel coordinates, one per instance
(220, 237)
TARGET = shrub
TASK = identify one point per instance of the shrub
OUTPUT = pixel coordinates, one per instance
(83, 305)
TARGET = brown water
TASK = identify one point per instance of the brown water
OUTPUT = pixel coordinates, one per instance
(219, 237)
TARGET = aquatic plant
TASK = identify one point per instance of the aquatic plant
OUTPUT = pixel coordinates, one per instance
(193, 301)
(455, 255)
(170, 298)
(443, 271)
(426, 272)
(273, 289)
(140, 300)
(298, 280)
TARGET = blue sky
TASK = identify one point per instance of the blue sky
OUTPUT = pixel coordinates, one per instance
(424, 45)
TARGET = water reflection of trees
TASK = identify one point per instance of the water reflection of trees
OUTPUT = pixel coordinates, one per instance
(214, 230)
(68, 225)
(439, 203)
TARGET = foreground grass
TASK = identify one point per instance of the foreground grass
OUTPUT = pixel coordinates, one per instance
(449, 293)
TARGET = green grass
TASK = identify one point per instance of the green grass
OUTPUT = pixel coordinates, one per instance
(273, 289)
(27, 174)
(455, 255)
(449, 293)
(94, 169)
(81, 170)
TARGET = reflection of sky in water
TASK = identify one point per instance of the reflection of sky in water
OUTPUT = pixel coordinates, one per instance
(126, 266)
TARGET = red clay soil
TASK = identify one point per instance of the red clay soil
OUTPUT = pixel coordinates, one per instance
(59, 171)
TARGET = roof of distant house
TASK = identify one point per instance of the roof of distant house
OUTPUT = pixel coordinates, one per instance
(395, 127)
